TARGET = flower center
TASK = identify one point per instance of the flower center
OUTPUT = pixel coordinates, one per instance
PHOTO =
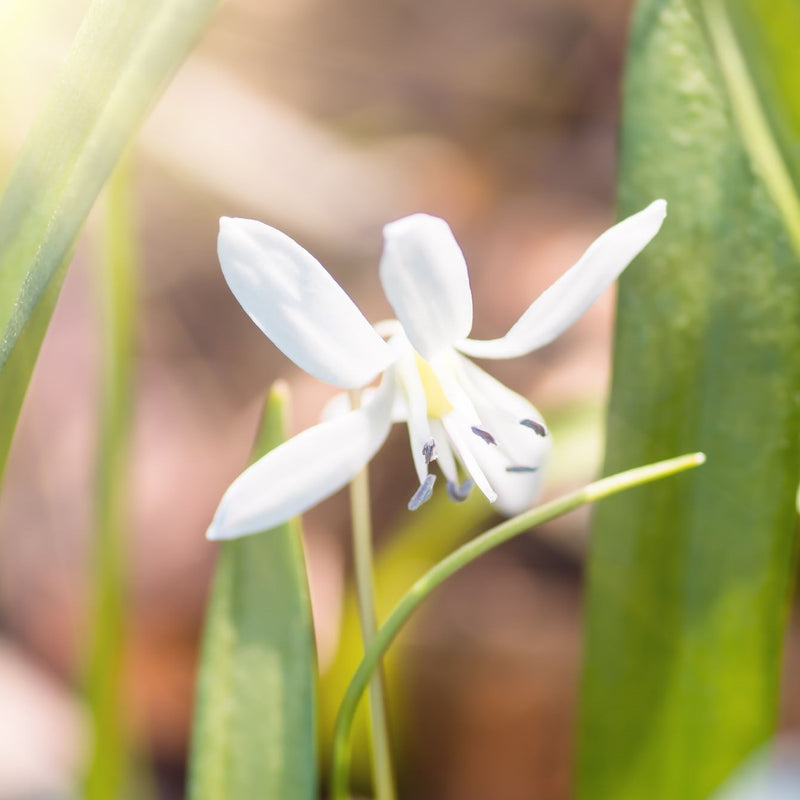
(435, 398)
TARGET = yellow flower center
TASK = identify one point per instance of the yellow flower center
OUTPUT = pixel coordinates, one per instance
(435, 398)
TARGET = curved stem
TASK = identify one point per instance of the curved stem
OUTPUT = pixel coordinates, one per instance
(365, 593)
(454, 562)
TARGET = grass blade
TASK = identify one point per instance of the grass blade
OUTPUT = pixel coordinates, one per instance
(122, 57)
(108, 766)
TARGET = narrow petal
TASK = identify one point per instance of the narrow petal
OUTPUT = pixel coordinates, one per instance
(468, 447)
(304, 470)
(516, 467)
(419, 430)
(572, 294)
(298, 305)
(445, 459)
(339, 405)
(424, 275)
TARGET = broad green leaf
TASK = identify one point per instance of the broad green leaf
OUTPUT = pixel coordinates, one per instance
(756, 45)
(255, 714)
(689, 580)
(122, 57)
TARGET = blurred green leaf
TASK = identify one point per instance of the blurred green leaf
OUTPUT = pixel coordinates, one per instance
(120, 60)
(255, 716)
(109, 773)
(689, 580)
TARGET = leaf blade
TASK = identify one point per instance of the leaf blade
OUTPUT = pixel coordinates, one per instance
(255, 715)
(121, 58)
(688, 583)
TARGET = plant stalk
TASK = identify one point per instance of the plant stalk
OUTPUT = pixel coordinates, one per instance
(464, 555)
(361, 519)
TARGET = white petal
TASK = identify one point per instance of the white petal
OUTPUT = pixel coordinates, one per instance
(298, 305)
(572, 294)
(518, 446)
(467, 446)
(339, 405)
(419, 431)
(445, 459)
(299, 473)
(424, 275)
(444, 368)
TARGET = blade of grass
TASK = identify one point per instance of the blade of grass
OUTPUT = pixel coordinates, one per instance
(689, 581)
(107, 773)
(255, 714)
(120, 60)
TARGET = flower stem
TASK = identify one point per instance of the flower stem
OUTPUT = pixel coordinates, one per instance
(454, 562)
(365, 592)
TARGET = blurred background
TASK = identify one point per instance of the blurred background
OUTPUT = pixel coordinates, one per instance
(325, 118)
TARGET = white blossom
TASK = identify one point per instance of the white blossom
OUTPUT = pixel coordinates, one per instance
(475, 429)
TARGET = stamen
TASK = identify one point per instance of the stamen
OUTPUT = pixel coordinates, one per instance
(458, 494)
(520, 468)
(536, 427)
(429, 450)
(485, 435)
(422, 494)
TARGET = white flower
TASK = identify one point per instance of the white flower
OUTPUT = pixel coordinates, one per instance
(475, 428)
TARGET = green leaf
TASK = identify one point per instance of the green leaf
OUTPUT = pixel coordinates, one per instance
(756, 45)
(255, 716)
(109, 773)
(120, 60)
(689, 580)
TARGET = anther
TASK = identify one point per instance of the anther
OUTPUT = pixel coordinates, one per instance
(422, 494)
(429, 451)
(536, 427)
(521, 468)
(485, 435)
(459, 494)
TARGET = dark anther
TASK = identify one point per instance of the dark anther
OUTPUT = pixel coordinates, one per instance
(422, 494)
(459, 493)
(520, 468)
(536, 427)
(429, 451)
(485, 435)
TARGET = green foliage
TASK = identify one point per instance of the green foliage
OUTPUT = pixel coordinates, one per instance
(757, 50)
(255, 716)
(120, 60)
(689, 580)
(108, 773)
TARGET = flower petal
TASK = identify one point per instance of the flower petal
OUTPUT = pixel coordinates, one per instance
(572, 294)
(516, 467)
(424, 275)
(419, 430)
(298, 305)
(467, 448)
(306, 469)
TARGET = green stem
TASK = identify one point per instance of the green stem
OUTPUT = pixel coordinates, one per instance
(365, 592)
(107, 769)
(454, 562)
